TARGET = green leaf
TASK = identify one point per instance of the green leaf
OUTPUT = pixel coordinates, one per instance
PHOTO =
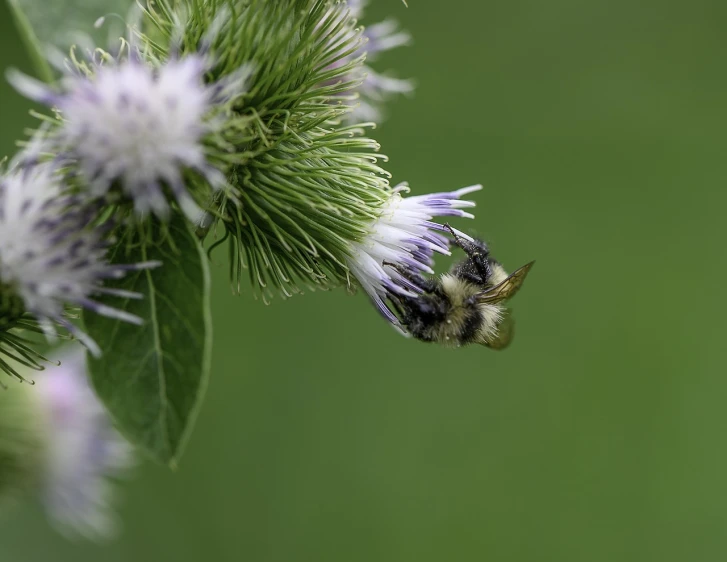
(152, 378)
(62, 22)
(30, 40)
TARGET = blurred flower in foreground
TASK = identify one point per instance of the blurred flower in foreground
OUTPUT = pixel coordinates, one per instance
(139, 126)
(51, 255)
(84, 450)
(404, 235)
(63, 446)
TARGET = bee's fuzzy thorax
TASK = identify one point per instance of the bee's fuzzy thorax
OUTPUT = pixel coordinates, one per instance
(497, 274)
(462, 318)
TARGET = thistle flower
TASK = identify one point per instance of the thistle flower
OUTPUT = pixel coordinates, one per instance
(140, 127)
(373, 88)
(59, 442)
(50, 253)
(301, 184)
(404, 234)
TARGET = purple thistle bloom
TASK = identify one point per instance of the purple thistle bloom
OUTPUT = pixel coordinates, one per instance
(405, 235)
(50, 256)
(84, 450)
(374, 88)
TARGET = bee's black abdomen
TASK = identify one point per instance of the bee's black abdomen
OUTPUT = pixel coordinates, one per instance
(422, 314)
(430, 318)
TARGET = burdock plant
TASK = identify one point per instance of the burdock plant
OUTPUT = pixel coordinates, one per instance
(243, 124)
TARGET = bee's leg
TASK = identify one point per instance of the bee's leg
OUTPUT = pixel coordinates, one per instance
(396, 305)
(478, 254)
(421, 283)
(473, 248)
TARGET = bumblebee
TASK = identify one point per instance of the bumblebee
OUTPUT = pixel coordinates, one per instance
(465, 305)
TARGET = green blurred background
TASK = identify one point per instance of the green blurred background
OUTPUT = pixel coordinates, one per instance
(599, 130)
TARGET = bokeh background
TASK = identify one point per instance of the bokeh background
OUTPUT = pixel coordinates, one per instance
(599, 130)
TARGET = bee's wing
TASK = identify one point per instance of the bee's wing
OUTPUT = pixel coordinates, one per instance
(507, 288)
(505, 332)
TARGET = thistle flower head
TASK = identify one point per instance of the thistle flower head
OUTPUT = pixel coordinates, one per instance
(141, 127)
(302, 186)
(50, 253)
(404, 238)
(84, 450)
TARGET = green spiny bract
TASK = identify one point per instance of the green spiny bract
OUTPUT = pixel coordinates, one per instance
(19, 334)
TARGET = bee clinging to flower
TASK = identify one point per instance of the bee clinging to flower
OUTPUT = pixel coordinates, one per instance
(465, 305)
